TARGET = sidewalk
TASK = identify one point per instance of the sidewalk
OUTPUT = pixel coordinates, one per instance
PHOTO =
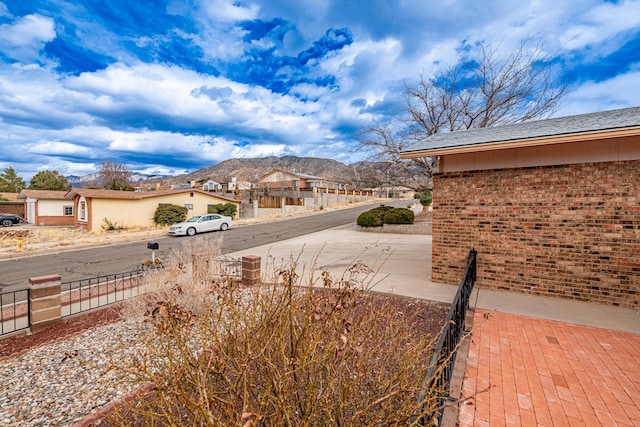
(402, 265)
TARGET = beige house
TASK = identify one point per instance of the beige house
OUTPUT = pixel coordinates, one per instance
(47, 207)
(279, 179)
(552, 206)
(93, 208)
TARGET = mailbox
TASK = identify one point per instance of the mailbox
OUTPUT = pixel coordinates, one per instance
(153, 245)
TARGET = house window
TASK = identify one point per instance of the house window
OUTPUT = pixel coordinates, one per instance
(83, 211)
(67, 210)
(189, 206)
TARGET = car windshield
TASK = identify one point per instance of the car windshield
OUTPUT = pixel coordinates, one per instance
(195, 218)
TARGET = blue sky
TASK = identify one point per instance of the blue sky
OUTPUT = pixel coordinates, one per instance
(172, 86)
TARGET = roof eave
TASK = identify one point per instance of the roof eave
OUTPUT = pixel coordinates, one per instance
(523, 143)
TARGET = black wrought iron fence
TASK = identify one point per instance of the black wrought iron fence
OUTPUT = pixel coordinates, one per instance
(82, 295)
(14, 311)
(227, 266)
(438, 377)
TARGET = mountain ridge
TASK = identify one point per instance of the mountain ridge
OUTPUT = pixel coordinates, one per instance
(363, 174)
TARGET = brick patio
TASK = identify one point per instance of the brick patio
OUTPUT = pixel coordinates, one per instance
(547, 373)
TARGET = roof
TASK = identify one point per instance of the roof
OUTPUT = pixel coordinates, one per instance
(562, 129)
(133, 195)
(42, 194)
(12, 197)
(298, 175)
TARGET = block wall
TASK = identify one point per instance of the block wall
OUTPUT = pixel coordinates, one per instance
(569, 231)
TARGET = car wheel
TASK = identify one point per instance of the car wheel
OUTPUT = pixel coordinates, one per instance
(191, 231)
(6, 223)
(224, 226)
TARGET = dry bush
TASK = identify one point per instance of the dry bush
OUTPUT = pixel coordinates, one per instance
(283, 353)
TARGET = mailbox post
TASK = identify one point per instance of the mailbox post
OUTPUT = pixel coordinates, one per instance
(153, 246)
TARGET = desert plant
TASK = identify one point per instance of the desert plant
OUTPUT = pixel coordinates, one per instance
(109, 225)
(323, 352)
(167, 214)
(227, 209)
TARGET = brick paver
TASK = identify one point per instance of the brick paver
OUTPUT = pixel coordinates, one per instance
(535, 372)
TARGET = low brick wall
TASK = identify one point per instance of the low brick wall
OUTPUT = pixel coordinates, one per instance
(55, 220)
(423, 227)
(570, 231)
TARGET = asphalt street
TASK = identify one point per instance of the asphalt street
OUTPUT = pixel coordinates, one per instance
(119, 258)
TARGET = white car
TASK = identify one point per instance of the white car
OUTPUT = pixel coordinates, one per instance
(201, 224)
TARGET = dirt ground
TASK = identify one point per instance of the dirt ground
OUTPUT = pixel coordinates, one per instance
(31, 239)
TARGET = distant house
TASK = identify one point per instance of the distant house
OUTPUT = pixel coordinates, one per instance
(552, 206)
(212, 185)
(136, 209)
(279, 179)
(47, 207)
(398, 192)
(9, 203)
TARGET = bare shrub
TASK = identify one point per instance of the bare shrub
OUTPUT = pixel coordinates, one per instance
(293, 351)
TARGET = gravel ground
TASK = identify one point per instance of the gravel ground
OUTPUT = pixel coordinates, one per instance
(60, 383)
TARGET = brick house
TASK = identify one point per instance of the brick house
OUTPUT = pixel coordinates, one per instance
(552, 206)
(9, 203)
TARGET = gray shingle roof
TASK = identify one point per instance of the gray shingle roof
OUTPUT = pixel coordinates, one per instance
(605, 120)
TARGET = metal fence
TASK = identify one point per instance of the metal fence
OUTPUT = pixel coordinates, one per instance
(227, 266)
(14, 311)
(77, 296)
(438, 377)
(82, 295)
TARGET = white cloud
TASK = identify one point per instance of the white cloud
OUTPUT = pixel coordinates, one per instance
(25, 38)
(618, 92)
(226, 10)
(601, 23)
(57, 148)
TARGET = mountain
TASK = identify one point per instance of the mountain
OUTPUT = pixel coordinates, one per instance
(359, 175)
(135, 178)
(252, 169)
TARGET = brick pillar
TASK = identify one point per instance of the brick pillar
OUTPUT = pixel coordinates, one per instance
(44, 299)
(250, 270)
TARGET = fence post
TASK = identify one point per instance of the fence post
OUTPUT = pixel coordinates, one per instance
(44, 301)
(250, 270)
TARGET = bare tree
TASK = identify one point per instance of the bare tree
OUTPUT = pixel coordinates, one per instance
(483, 90)
(114, 176)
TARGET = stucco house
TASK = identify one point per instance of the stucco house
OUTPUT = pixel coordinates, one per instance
(47, 207)
(279, 179)
(135, 209)
(552, 206)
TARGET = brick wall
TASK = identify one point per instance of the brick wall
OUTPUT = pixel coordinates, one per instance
(16, 208)
(55, 220)
(570, 231)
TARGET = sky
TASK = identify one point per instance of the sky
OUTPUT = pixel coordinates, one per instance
(173, 86)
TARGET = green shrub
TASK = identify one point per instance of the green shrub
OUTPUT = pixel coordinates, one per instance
(385, 215)
(398, 216)
(424, 197)
(227, 209)
(168, 214)
(369, 219)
